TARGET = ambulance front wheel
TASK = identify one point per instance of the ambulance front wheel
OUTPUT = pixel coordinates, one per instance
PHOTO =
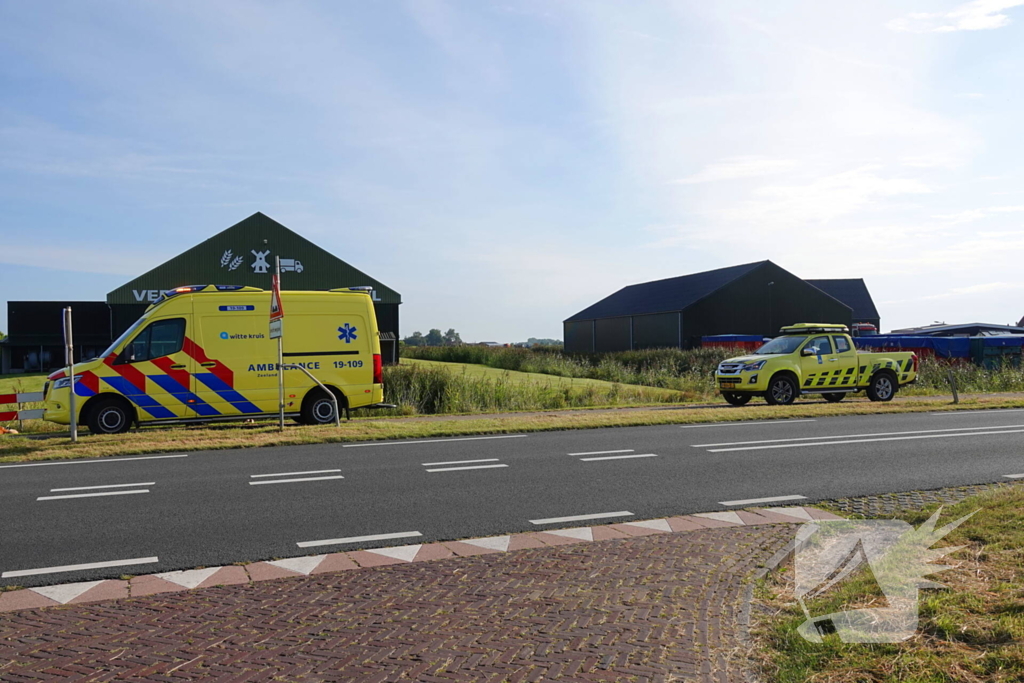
(110, 416)
(318, 409)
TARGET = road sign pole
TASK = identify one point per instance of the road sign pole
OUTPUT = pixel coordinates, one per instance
(69, 361)
(280, 344)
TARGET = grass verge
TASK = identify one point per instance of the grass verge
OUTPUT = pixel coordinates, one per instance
(212, 437)
(970, 631)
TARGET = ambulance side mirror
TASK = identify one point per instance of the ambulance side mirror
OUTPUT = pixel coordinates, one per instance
(809, 351)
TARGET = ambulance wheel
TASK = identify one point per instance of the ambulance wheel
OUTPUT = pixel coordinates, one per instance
(110, 416)
(781, 391)
(736, 399)
(318, 409)
(834, 398)
(882, 387)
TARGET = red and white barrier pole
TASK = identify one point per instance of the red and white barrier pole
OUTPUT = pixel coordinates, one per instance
(69, 360)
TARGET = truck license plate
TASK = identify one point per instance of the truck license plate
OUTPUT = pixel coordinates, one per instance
(729, 383)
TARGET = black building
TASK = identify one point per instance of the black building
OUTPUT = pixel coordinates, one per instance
(754, 298)
(854, 293)
(241, 255)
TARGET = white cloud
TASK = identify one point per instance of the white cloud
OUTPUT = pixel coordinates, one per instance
(822, 200)
(737, 167)
(979, 15)
(976, 214)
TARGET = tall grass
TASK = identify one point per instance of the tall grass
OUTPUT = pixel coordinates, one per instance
(419, 389)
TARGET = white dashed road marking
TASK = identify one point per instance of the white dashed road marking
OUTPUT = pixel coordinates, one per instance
(625, 450)
(853, 436)
(359, 539)
(79, 567)
(92, 495)
(580, 518)
(1014, 476)
(105, 486)
(294, 480)
(292, 474)
(459, 462)
(468, 467)
(755, 501)
(620, 457)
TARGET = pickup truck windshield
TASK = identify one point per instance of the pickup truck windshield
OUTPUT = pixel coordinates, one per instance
(780, 345)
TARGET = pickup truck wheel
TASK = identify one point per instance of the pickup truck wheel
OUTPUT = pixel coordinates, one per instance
(736, 399)
(882, 387)
(834, 398)
(781, 391)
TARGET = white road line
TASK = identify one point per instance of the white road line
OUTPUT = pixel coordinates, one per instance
(89, 462)
(401, 443)
(856, 436)
(993, 411)
(105, 486)
(839, 443)
(745, 424)
(1014, 476)
(79, 567)
(580, 518)
(359, 539)
(620, 457)
(625, 450)
(755, 501)
(470, 467)
(459, 462)
(291, 474)
(92, 495)
(292, 481)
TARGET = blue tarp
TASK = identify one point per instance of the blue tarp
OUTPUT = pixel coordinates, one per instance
(943, 347)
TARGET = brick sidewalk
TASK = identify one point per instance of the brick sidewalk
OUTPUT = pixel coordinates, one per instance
(663, 607)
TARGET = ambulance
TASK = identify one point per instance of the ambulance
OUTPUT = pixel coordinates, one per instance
(203, 353)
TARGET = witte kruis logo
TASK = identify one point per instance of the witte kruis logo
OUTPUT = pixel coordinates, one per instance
(897, 555)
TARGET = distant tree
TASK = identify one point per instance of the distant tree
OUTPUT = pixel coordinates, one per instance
(434, 338)
(534, 341)
(415, 339)
(2, 336)
(452, 338)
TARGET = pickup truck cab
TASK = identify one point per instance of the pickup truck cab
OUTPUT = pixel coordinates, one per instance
(814, 358)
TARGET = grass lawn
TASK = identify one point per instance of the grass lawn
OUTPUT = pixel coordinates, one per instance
(17, 384)
(970, 631)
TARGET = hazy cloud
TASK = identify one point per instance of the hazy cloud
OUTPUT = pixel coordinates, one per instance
(979, 15)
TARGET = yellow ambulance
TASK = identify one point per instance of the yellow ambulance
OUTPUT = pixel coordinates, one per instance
(203, 353)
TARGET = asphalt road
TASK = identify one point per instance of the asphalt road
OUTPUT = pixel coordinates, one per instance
(218, 507)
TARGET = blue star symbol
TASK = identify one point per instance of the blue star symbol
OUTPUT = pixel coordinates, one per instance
(347, 333)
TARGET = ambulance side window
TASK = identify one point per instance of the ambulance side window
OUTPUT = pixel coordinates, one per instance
(159, 339)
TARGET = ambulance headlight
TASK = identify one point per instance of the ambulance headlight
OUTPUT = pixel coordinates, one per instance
(750, 367)
(63, 383)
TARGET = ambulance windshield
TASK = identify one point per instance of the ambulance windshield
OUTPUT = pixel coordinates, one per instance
(124, 335)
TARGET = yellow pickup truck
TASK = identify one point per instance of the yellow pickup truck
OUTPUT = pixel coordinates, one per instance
(814, 358)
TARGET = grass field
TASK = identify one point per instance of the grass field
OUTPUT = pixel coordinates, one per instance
(971, 631)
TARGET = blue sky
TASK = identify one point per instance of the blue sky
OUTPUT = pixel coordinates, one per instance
(503, 165)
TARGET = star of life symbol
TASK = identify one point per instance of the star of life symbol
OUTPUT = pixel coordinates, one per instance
(347, 333)
(898, 556)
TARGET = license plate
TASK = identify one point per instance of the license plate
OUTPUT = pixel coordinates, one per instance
(729, 384)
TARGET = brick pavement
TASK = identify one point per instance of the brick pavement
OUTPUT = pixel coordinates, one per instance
(643, 605)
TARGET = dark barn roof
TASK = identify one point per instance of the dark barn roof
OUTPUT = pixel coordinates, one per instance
(852, 292)
(662, 296)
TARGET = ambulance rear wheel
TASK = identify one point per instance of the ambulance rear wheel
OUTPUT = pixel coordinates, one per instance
(318, 409)
(110, 416)
(736, 399)
(882, 387)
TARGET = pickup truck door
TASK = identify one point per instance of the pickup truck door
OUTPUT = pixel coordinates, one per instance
(847, 364)
(817, 370)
